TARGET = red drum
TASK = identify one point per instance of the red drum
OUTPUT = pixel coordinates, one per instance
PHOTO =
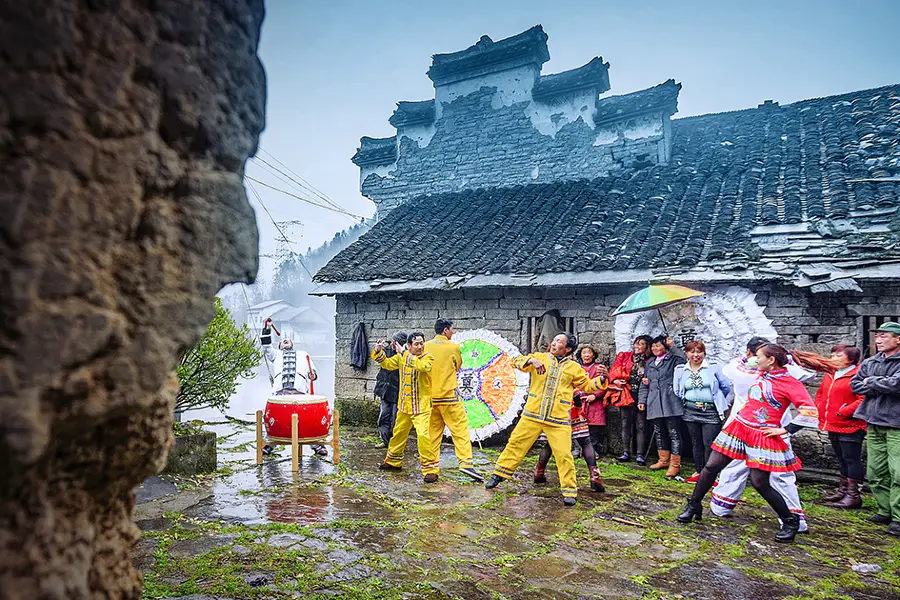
(314, 417)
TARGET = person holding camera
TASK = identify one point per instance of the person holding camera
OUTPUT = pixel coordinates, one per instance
(414, 404)
(387, 390)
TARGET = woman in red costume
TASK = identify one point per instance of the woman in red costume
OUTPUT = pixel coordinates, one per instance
(756, 437)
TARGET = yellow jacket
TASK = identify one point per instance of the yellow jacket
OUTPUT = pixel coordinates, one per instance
(415, 379)
(550, 394)
(447, 361)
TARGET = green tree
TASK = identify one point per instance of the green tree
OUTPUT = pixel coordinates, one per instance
(209, 372)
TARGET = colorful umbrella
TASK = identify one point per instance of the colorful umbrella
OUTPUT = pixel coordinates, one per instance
(492, 391)
(655, 296)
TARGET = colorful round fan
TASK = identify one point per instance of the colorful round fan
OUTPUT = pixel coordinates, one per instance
(492, 390)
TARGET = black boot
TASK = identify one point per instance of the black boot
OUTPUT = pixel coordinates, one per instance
(692, 512)
(569, 501)
(493, 482)
(789, 528)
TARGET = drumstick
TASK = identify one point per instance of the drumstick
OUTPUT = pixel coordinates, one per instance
(309, 364)
(272, 323)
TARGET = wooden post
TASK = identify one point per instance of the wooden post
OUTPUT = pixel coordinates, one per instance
(259, 437)
(295, 444)
(335, 438)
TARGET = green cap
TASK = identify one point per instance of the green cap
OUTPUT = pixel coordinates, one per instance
(890, 326)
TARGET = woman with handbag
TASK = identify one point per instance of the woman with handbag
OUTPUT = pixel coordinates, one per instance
(625, 376)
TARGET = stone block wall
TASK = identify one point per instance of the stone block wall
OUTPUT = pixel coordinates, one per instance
(803, 320)
(479, 141)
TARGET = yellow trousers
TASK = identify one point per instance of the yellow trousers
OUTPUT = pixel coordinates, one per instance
(397, 446)
(522, 439)
(453, 415)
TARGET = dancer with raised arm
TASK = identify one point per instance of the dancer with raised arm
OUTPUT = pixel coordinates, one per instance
(554, 378)
(755, 435)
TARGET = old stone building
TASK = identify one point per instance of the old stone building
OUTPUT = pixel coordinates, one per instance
(512, 193)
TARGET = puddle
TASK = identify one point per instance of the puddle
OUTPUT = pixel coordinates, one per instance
(538, 508)
(715, 581)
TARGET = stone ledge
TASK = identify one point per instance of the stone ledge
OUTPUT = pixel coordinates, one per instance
(361, 412)
(192, 454)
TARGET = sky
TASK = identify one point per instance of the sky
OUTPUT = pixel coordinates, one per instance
(336, 68)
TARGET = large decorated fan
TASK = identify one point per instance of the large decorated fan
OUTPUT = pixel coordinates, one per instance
(492, 390)
(723, 319)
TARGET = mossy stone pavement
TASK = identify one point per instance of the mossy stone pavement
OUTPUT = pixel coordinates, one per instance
(355, 532)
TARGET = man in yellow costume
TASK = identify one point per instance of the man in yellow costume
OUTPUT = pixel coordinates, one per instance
(447, 408)
(554, 378)
(413, 405)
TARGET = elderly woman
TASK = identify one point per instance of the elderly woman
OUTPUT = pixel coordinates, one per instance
(593, 408)
(664, 408)
(704, 391)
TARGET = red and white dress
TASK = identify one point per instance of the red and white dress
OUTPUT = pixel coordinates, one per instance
(767, 400)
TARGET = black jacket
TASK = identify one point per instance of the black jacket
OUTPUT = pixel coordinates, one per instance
(387, 383)
(878, 379)
(359, 348)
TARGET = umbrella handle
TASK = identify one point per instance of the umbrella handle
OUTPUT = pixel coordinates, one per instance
(663, 321)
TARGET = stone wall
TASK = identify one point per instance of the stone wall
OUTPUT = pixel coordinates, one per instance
(484, 140)
(124, 129)
(803, 320)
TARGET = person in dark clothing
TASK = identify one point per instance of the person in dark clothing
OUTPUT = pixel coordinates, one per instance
(664, 407)
(878, 379)
(387, 389)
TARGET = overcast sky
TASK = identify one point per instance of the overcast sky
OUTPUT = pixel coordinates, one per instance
(336, 69)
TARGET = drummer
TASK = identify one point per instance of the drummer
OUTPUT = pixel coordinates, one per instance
(293, 371)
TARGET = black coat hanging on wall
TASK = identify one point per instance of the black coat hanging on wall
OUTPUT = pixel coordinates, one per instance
(359, 348)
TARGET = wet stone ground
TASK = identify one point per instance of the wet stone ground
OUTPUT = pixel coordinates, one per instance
(354, 532)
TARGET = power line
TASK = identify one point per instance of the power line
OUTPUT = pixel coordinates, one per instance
(247, 301)
(303, 187)
(313, 188)
(307, 200)
(284, 237)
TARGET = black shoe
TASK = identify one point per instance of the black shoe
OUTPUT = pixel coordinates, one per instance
(879, 519)
(267, 450)
(540, 477)
(789, 528)
(470, 472)
(692, 512)
(641, 460)
(493, 482)
(597, 487)
(320, 450)
(569, 501)
(386, 467)
(431, 478)
(624, 458)
(894, 528)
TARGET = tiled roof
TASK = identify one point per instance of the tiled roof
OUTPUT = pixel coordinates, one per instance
(376, 151)
(797, 176)
(616, 108)
(595, 74)
(410, 113)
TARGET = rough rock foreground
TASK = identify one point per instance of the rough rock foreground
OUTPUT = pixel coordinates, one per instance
(124, 128)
